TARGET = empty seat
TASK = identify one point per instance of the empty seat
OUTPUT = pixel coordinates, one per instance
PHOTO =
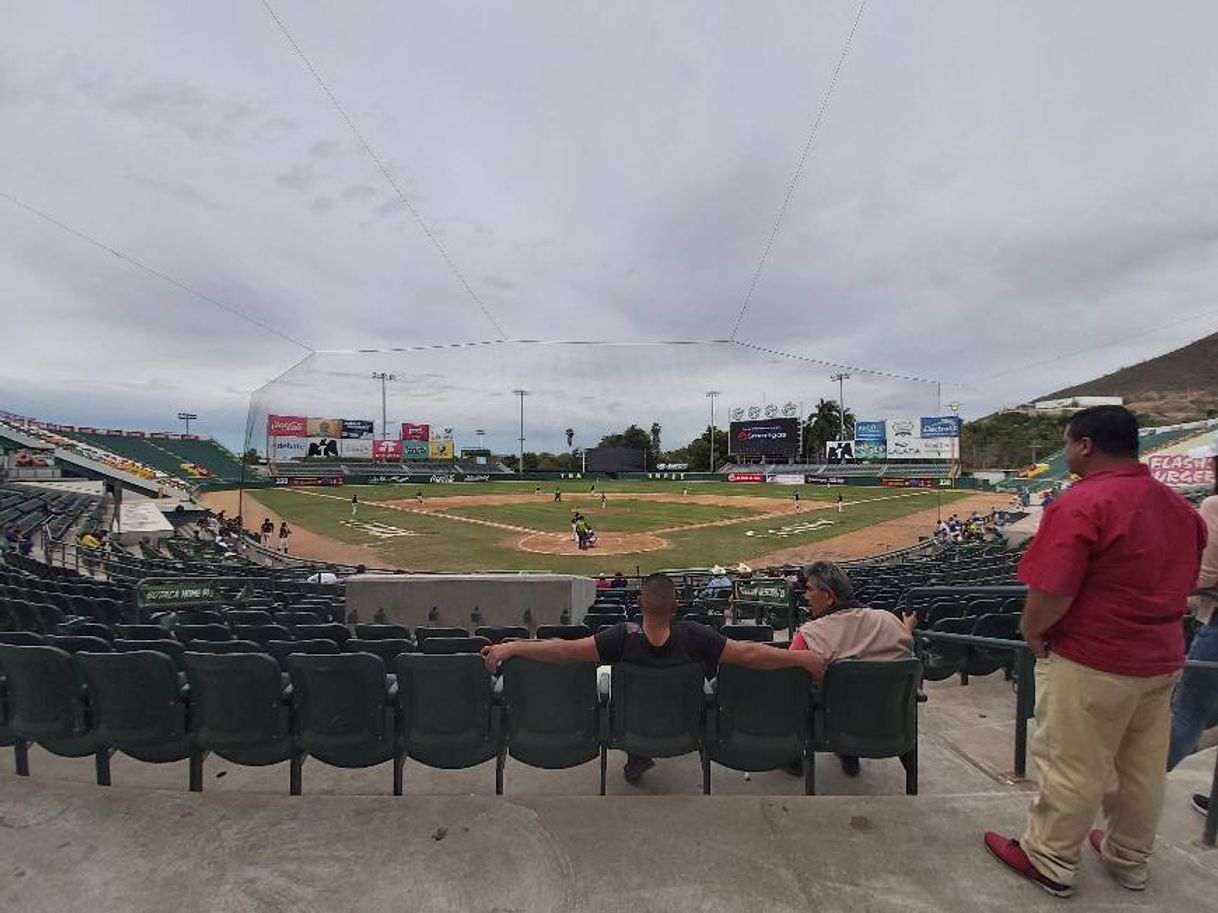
(239, 709)
(86, 629)
(138, 706)
(345, 710)
(758, 633)
(247, 617)
(497, 635)
(597, 621)
(327, 631)
(383, 632)
(421, 634)
(436, 645)
(71, 643)
(262, 634)
(761, 719)
(984, 660)
(224, 646)
(282, 649)
(657, 712)
(446, 711)
(869, 709)
(170, 648)
(22, 639)
(942, 660)
(551, 713)
(143, 632)
(297, 618)
(387, 649)
(188, 633)
(47, 705)
(563, 632)
(198, 617)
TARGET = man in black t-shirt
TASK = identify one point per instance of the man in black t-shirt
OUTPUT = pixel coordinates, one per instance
(658, 641)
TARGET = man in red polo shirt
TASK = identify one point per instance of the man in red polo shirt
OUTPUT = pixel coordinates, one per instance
(1109, 574)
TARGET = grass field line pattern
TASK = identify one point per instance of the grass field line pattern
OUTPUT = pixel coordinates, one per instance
(789, 512)
(427, 513)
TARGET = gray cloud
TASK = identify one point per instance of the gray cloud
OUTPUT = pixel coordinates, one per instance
(984, 193)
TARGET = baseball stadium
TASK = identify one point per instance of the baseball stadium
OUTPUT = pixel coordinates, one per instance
(405, 562)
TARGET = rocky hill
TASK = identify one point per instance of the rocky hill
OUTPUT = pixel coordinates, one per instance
(1179, 386)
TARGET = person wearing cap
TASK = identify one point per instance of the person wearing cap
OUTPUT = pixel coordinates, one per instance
(1195, 704)
(719, 586)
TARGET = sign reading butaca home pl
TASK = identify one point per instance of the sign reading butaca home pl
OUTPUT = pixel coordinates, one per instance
(766, 591)
(153, 594)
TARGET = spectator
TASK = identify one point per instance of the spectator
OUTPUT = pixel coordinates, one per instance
(719, 586)
(619, 581)
(1195, 705)
(602, 582)
(285, 533)
(842, 628)
(1109, 573)
(658, 641)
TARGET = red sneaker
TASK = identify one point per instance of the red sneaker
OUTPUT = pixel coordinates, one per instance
(1096, 839)
(1008, 851)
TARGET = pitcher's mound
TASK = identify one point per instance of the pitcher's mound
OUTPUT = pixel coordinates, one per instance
(606, 544)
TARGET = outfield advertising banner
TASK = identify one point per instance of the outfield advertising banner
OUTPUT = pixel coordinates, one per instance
(387, 450)
(355, 449)
(325, 427)
(289, 448)
(413, 432)
(1180, 470)
(905, 439)
(870, 440)
(357, 429)
(440, 449)
(322, 447)
(771, 437)
(839, 451)
(786, 478)
(746, 476)
(415, 450)
(939, 426)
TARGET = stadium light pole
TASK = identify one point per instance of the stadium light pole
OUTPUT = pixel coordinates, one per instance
(841, 379)
(479, 432)
(383, 378)
(522, 394)
(711, 394)
(187, 417)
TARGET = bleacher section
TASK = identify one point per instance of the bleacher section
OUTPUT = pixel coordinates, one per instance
(893, 470)
(173, 457)
(28, 509)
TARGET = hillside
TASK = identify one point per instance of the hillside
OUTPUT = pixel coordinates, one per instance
(1179, 386)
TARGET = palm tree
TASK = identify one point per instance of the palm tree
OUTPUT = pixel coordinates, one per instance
(655, 437)
(570, 436)
(823, 425)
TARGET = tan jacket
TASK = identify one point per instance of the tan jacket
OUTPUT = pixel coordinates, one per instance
(1203, 606)
(859, 633)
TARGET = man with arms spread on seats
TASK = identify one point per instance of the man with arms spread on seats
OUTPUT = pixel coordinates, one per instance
(658, 641)
(1109, 573)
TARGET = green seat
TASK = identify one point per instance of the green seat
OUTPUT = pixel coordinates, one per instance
(235, 617)
(17, 639)
(985, 660)
(345, 711)
(240, 709)
(757, 633)
(138, 705)
(339, 633)
(597, 621)
(422, 634)
(47, 705)
(198, 617)
(563, 632)
(387, 649)
(261, 634)
(761, 720)
(282, 649)
(85, 629)
(170, 648)
(383, 632)
(498, 635)
(436, 645)
(657, 712)
(186, 634)
(942, 660)
(447, 716)
(74, 643)
(224, 646)
(551, 713)
(143, 632)
(869, 709)
(22, 639)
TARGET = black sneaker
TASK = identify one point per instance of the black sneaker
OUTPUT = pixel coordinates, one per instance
(850, 765)
(636, 767)
(1201, 803)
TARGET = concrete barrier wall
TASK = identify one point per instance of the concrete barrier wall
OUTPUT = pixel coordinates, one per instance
(500, 599)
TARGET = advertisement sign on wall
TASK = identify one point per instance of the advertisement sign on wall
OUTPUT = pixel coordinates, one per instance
(325, 427)
(413, 432)
(287, 426)
(906, 441)
(746, 476)
(1180, 470)
(441, 449)
(289, 448)
(357, 429)
(940, 426)
(387, 450)
(786, 478)
(415, 450)
(870, 440)
(321, 447)
(839, 451)
(774, 437)
(356, 449)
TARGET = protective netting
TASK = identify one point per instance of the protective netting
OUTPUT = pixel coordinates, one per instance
(591, 388)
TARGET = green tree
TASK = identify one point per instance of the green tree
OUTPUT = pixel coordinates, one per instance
(823, 425)
(655, 438)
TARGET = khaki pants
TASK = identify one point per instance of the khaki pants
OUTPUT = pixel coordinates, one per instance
(1101, 740)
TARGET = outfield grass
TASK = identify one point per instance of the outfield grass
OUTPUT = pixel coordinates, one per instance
(579, 492)
(445, 544)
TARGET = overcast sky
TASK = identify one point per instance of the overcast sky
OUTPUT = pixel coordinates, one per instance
(994, 184)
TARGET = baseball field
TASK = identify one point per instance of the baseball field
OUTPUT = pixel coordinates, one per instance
(640, 526)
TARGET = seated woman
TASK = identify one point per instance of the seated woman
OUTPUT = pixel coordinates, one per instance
(842, 628)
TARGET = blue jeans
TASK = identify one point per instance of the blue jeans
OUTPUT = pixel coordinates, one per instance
(1195, 706)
